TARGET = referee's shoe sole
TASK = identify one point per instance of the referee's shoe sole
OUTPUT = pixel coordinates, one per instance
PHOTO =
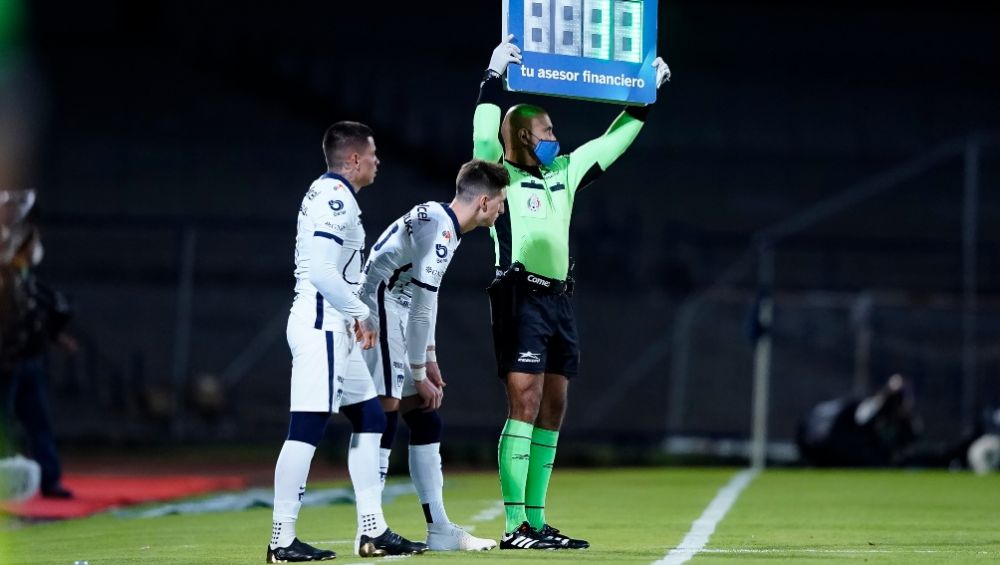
(526, 537)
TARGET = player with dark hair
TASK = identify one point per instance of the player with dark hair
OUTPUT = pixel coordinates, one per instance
(327, 328)
(534, 328)
(401, 283)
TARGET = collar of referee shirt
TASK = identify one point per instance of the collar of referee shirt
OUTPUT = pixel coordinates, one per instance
(329, 175)
(454, 219)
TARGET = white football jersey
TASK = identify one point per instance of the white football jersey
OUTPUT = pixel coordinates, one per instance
(415, 250)
(406, 266)
(328, 210)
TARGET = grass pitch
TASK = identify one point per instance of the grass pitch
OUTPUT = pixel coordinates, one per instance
(629, 516)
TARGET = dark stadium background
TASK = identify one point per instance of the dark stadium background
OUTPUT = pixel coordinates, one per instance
(175, 140)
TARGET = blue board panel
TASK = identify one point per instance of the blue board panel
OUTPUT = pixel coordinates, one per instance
(591, 49)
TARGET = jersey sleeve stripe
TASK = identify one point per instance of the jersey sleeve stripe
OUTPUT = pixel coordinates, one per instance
(328, 236)
(384, 339)
(378, 246)
(422, 284)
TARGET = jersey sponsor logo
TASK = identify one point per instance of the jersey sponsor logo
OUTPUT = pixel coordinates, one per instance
(434, 272)
(529, 357)
(337, 206)
(441, 250)
(539, 281)
(311, 195)
(303, 210)
(422, 214)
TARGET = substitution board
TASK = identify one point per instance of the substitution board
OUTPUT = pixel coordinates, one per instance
(590, 49)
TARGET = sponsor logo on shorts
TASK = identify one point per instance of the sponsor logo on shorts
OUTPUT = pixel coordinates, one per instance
(539, 281)
(529, 357)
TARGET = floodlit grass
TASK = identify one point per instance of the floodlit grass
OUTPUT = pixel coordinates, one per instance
(862, 516)
(630, 516)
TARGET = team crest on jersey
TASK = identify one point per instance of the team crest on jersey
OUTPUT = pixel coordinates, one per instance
(446, 234)
(535, 207)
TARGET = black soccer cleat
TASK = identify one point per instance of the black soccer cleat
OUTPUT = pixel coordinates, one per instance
(298, 551)
(565, 542)
(526, 537)
(389, 543)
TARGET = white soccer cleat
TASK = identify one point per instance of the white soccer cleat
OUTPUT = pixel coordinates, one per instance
(453, 538)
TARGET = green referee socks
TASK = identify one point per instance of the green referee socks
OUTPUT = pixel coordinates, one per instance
(543, 454)
(512, 455)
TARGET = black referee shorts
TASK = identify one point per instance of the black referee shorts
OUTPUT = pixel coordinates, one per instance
(533, 332)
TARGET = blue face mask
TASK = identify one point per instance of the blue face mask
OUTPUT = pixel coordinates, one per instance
(546, 151)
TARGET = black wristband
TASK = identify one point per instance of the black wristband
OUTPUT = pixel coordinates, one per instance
(490, 89)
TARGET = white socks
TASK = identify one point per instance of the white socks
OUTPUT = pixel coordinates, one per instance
(363, 465)
(428, 479)
(290, 475)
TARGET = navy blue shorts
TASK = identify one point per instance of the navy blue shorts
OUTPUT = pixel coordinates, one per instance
(534, 332)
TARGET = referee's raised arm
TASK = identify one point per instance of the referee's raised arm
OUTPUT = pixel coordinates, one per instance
(486, 121)
(591, 159)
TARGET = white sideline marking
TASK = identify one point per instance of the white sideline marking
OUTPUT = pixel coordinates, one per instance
(756, 550)
(702, 528)
(485, 515)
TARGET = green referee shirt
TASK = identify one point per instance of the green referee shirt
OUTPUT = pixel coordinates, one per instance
(535, 229)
